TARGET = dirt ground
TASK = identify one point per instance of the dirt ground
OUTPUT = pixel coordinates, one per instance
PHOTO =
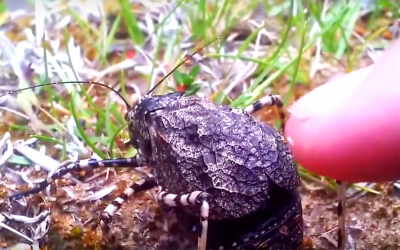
(373, 220)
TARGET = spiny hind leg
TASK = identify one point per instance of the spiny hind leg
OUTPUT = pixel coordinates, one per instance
(196, 198)
(109, 212)
(343, 234)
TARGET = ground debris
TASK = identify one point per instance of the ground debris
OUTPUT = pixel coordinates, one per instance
(76, 201)
(373, 219)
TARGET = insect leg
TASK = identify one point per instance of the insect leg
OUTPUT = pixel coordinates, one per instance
(271, 100)
(142, 185)
(196, 198)
(69, 166)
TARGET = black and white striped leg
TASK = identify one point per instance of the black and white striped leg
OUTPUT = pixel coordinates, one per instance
(341, 215)
(271, 100)
(196, 198)
(109, 212)
(69, 166)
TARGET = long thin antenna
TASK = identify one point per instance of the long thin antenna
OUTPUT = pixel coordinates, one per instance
(70, 82)
(182, 62)
(113, 90)
(108, 87)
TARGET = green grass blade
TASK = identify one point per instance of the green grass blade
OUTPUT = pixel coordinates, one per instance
(135, 32)
(81, 130)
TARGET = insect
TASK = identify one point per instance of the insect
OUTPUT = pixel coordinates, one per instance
(211, 162)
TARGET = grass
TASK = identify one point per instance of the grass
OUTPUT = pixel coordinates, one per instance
(304, 30)
(288, 62)
(310, 41)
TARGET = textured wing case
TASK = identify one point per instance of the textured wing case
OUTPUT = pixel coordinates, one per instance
(223, 151)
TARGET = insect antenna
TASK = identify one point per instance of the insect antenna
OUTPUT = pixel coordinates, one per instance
(110, 88)
(187, 58)
(191, 56)
(70, 82)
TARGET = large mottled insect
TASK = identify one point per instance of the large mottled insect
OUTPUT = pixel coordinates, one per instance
(211, 162)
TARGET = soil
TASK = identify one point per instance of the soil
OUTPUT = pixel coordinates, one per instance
(373, 221)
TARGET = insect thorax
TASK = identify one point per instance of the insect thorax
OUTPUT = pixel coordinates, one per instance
(195, 145)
